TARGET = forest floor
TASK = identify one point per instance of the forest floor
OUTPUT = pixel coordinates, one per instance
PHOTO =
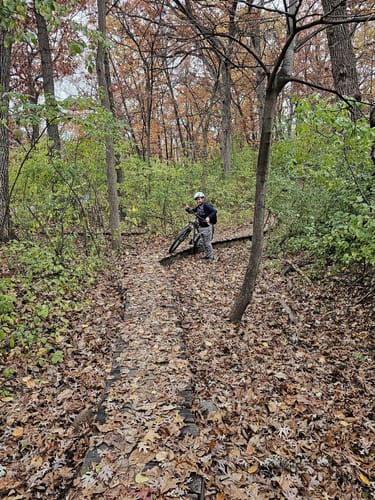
(159, 396)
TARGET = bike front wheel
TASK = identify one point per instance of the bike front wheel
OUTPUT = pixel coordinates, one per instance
(182, 235)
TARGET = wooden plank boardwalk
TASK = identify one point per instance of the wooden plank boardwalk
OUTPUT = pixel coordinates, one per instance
(138, 424)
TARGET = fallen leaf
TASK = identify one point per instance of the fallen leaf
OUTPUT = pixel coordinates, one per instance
(18, 432)
(364, 479)
(161, 456)
(169, 484)
(344, 423)
(141, 479)
(66, 394)
(253, 469)
(272, 406)
(151, 435)
(29, 382)
(250, 450)
(37, 461)
(235, 452)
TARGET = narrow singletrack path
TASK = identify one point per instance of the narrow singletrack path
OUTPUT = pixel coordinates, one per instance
(198, 408)
(145, 418)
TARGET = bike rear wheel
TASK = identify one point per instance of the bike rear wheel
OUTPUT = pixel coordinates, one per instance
(182, 235)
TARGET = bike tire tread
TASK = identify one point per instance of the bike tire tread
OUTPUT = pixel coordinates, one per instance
(182, 235)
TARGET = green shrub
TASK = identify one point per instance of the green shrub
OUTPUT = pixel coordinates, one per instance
(154, 194)
(321, 185)
(45, 292)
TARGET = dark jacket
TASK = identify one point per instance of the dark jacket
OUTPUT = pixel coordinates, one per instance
(204, 210)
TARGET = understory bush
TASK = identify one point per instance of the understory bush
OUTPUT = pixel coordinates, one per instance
(321, 186)
(62, 197)
(38, 294)
(154, 194)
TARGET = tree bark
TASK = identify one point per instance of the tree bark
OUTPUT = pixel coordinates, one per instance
(280, 75)
(244, 297)
(226, 115)
(343, 63)
(5, 54)
(372, 125)
(260, 77)
(114, 213)
(176, 111)
(226, 90)
(48, 82)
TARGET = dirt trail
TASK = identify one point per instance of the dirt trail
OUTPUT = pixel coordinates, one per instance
(279, 407)
(145, 417)
(161, 397)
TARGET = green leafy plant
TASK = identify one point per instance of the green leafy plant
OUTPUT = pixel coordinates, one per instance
(6, 306)
(46, 292)
(321, 186)
(359, 356)
(57, 357)
(8, 372)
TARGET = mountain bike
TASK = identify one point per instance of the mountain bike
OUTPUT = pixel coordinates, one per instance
(184, 233)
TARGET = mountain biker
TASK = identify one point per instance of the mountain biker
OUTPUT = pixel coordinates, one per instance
(207, 217)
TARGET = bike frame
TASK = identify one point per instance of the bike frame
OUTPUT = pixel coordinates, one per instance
(183, 234)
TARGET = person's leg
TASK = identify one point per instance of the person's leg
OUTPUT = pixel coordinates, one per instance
(206, 235)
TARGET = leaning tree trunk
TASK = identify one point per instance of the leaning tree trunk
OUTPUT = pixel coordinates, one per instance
(343, 63)
(48, 82)
(248, 286)
(5, 53)
(277, 79)
(372, 125)
(260, 78)
(114, 212)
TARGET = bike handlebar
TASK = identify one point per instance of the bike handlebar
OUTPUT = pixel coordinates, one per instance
(198, 217)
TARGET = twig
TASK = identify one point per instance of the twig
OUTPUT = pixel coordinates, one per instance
(363, 298)
(296, 268)
(292, 316)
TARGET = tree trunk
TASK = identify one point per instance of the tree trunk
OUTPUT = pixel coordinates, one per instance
(246, 293)
(5, 54)
(48, 82)
(260, 77)
(176, 111)
(226, 116)
(149, 100)
(226, 94)
(114, 213)
(372, 125)
(276, 81)
(206, 121)
(343, 63)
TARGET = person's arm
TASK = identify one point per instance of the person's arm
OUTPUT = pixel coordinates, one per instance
(210, 212)
(190, 210)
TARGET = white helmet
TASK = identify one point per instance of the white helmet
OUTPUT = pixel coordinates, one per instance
(199, 194)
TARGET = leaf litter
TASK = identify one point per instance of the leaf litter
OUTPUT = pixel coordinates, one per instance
(281, 405)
